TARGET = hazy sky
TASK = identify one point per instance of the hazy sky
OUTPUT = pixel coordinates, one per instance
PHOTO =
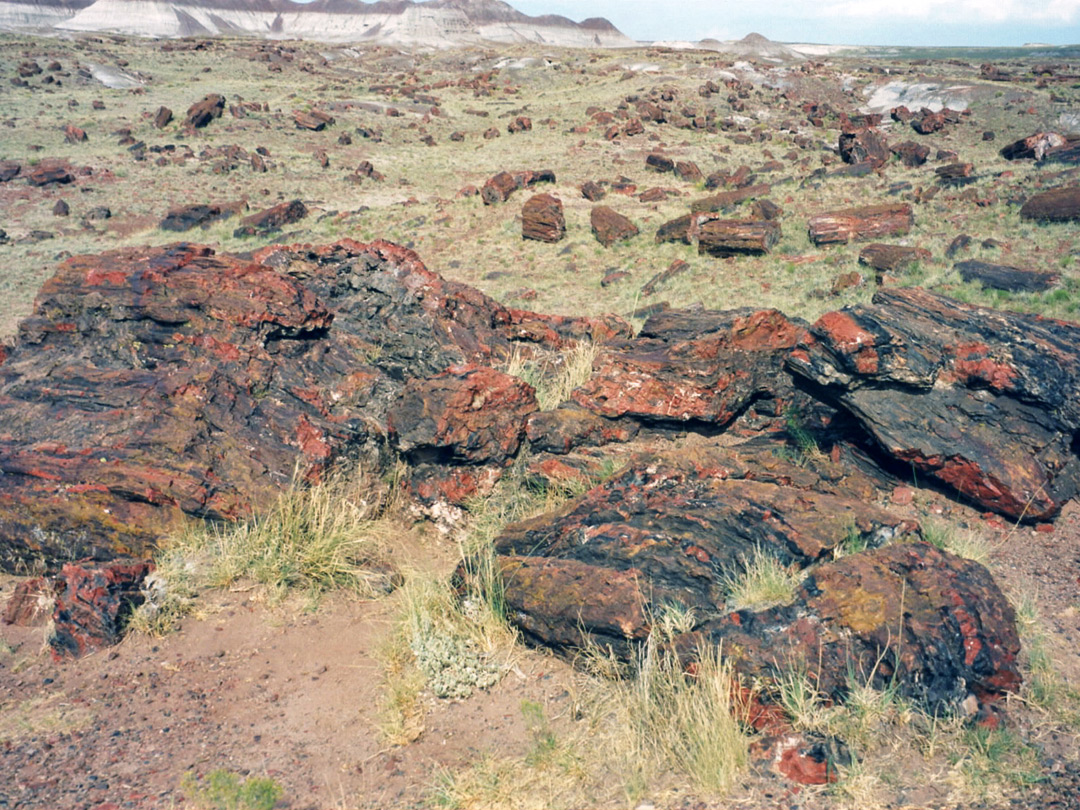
(851, 22)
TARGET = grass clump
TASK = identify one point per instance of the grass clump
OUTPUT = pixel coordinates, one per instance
(224, 790)
(555, 374)
(762, 581)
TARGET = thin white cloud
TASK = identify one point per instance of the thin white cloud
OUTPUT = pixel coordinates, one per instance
(949, 11)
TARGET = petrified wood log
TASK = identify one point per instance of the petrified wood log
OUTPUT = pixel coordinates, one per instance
(1056, 205)
(870, 222)
(1006, 277)
(985, 402)
(542, 219)
(609, 226)
(152, 382)
(890, 258)
(726, 199)
(737, 237)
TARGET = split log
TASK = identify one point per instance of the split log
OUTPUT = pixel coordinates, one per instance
(738, 237)
(840, 227)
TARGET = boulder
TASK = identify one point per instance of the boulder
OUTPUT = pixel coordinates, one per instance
(864, 146)
(688, 171)
(9, 170)
(93, 602)
(47, 174)
(609, 226)
(982, 401)
(911, 154)
(498, 189)
(187, 217)
(659, 163)
(931, 625)
(700, 367)
(154, 382)
(955, 173)
(737, 237)
(1033, 147)
(468, 414)
(1006, 277)
(592, 191)
(313, 120)
(542, 219)
(677, 230)
(926, 121)
(519, 124)
(163, 117)
(72, 134)
(1056, 205)
(668, 529)
(272, 219)
(856, 224)
(203, 112)
(891, 258)
(727, 199)
(32, 603)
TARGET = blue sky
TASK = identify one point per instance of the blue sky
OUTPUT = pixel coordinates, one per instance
(853, 22)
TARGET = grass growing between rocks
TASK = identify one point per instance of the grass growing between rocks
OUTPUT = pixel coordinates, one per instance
(637, 735)
(762, 582)
(316, 537)
(555, 375)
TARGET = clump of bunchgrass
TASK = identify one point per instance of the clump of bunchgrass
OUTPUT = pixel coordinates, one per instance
(555, 374)
(761, 581)
(224, 790)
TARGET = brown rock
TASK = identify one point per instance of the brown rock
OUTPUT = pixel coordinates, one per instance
(891, 258)
(1005, 277)
(659, 163)
(726, 199)
(609, 226)
(498, 189)
(932, 625)
(469, 414)
(72, 134)
(983, 401)
(1056, 205)
(677, 267)
(688, 171)
(737, 237)
(48, 174)
(61, 209)
(911, 154)
(838, 227)
(163, 117)
(765, 209)
(314, 120)
(864, 146)
(186, 217)
(272, 219)
(593, 192)
(677, 230)
(955, 173)
(1033, 147)
(32, 603)
(927, 121)
(519, 124)
(568, 426)
(542, 219)
(93, 602)
(203, 112)
(9, 170)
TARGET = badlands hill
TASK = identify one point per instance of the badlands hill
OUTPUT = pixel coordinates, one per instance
(438, 23)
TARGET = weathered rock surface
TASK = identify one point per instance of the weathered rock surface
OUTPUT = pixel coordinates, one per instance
(203, 112)
(864, 146)
(982, 401)
(609, 226)
(542, 219)
(32, 603)
(272, 219)
(737, 237)
(701, 367)
(911, 154)
(856, 224)
(891, 258)
(1006, 277)
(163, 117)
(561, 430)
(727, 199)
(1033, 147)
(187, 217)
(45, 174)
(669, 528)
(468, 414)
(497, 189)
(934, 625)
(1056, 205)
(93, 602)
(158, 381)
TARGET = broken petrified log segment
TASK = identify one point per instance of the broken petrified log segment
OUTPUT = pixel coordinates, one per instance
(497, 189)
(737, 237)
(1056, 205)
(1033, 147)
(203, 112)
(891, 258)
(911, 154)
(726, 199)
(592, 191)
(933, 625)
(152, 382)
(675, 268)
(677, 230)
(955, 173)
(855, 224)
(46, 174)
(163, 117)
(670, 528)
(469, 414)
(315, 120)
(659, 163)
(542, 219)
(985, 402)
(688, 366)
(190, 216)
(93, 602)
(32, 603)
(1005, 277)
(609, 226)
(568, 426)
(864, 146)
(272, 219)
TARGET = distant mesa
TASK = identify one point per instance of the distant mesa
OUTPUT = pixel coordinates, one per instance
(752, 46)
(436, 23)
